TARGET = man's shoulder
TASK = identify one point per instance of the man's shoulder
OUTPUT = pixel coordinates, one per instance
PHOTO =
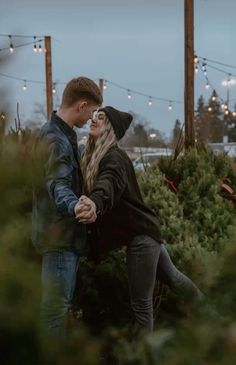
(52, 133)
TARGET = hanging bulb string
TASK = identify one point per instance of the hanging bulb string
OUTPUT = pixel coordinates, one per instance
(205, 60)
(210, 84)
(20, 79)
(21, 36)
(216, 62)
(22, 45)
(226, 107)
(130, 91)
(220, 70)
(142, 94)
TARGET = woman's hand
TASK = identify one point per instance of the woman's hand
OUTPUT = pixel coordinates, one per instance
(85, 210)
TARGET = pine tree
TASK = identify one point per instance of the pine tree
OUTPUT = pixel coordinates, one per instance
(208, 120)
(176, 133)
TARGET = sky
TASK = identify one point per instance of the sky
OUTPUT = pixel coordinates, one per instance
(137, 44)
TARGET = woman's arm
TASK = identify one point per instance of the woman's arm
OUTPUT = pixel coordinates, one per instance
(110, 183)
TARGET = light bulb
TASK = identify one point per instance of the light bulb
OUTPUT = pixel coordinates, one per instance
(11, 47)
(105, 85)
(35, 49)
(129, 95)
(24, 86)
(207, 86)
(170, 106)
(150, 101)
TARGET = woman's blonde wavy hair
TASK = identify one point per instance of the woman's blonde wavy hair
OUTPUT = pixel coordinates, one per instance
(94, 152)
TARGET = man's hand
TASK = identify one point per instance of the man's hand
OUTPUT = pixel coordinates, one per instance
(85, 210)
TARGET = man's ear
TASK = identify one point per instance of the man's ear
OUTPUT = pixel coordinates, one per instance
(81, 105)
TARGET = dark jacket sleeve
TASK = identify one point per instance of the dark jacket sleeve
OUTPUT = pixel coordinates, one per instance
(58, 171)
(110, 183)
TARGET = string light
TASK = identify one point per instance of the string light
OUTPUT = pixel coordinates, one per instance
(11, 47)
(105, 84)
(54, 88)
(35, 49)
(204, 69)
(24, 86)
(196, 62)
(130, 92)
(234, 114)
(40, 48)
(217, 62)
(223, 105)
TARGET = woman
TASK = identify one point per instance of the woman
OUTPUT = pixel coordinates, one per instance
(122, 217)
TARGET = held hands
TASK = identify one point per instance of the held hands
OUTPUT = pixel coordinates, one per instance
(85, 210)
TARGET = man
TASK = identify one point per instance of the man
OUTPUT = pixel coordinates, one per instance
(56, 233)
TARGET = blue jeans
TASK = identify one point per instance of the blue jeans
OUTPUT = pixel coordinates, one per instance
(59, 269)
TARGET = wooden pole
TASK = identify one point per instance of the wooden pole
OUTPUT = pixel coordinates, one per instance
(101, 85)
(189, 74)
(48, 72)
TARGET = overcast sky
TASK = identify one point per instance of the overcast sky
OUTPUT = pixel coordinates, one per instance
(138, 44)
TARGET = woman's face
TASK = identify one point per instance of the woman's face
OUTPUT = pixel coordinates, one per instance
(97, 125)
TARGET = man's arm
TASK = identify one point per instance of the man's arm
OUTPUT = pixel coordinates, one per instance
(58, 171)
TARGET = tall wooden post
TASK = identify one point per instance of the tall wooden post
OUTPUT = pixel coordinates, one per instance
(101, 85)
(189, 74)
(48, 72)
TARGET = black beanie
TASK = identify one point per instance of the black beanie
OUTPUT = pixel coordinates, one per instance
(120, 121)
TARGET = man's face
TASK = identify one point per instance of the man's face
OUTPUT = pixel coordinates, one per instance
(84, 113)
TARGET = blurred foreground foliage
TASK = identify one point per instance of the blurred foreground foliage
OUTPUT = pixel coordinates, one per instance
(198, 225)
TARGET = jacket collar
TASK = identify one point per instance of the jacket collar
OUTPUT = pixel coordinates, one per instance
(64, 127)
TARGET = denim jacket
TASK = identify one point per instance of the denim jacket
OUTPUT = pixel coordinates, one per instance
(53, 222)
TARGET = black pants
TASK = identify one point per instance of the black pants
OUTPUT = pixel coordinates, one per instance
(145, 259)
